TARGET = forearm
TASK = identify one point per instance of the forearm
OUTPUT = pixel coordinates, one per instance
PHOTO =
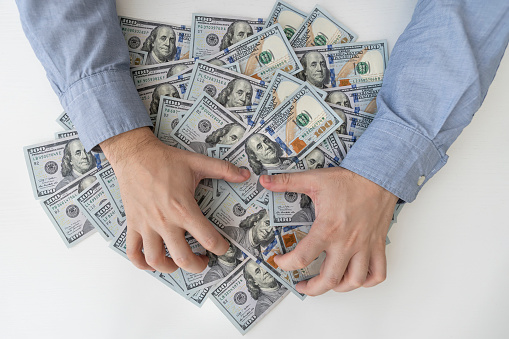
(439, 73)
(82, 49)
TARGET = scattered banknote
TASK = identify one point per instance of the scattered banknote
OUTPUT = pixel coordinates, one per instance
(320, 28)
(161, 41)
(107, 218)
(151, 94)
(111, 188)
(171, 111)
(212, 34)
(292, 130)
(347, 140)
(245, 114)
(242, 300)
(289, 17)
(360, 97)
(343, 65)
(148, 75)
(72, 225)
(355, 123)
(65, 121)
(91, 199)
(229, 88)
(137, 58)
(206, 124)
(281, 87)
(262, 54)
(54, 164)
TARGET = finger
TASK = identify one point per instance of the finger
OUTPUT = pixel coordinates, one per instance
(355, 274)
(155, 253)
(300, 182)
(307, 250)
(332, 271)
(134, 246)
(182, 254)
(218, 169)
(203, 231)
(377, 271)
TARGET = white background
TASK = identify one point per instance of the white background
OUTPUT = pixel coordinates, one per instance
(447, 265)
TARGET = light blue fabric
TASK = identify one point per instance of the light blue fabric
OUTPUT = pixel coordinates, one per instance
(438, 75)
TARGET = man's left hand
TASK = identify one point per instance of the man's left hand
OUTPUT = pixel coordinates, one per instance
(352, 220)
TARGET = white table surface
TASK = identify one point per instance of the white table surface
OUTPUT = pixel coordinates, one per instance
(447, 265)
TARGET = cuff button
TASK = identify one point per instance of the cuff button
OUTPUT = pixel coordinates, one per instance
(421, 180)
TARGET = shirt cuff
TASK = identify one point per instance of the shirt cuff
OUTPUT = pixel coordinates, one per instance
(103, 105)
(396, 157)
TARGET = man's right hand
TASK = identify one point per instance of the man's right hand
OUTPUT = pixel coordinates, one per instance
(157, 183)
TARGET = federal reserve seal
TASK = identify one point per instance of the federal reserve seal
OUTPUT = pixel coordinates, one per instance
(204, 126)
(51, 167)
(238, 210)
(174, 123)
(240, 298)
(72, 211)
(210, 90)
(134, 42)
(212, 39)
(291, 196)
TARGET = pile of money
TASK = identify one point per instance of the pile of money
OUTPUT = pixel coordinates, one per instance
(290, 92)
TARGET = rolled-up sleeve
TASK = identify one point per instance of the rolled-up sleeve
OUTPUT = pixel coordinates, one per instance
(81, 47)
(437, 78)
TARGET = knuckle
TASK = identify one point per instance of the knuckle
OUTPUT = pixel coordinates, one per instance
(355, 282)
(182, 261)
(379, 277)
(332, 281)
(227, 167)
(153, 260)
(179, 208)
(284, 178)
(210, 243)
(301, 261)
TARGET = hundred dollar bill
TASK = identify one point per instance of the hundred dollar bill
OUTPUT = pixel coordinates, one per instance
(346, 140)
(65, 121)
(89, 200)
(111, 188)
(262, 54)
(290, 132)
(162, 41)
(137, 58)
(54, 164)
(100, 158)
(147, 75)
(211, 34)
(151, 94)
(320, 29)
(247, 294)
(229, 88)
(107, 218)
(281, 87)
(217, 268)
(361, 97)
(72, 225)
(245, 114)
(171, 111)
(343, 65)
(355, 123)
(65, 134)
(289, 17)
(206, 124)
(198, 298)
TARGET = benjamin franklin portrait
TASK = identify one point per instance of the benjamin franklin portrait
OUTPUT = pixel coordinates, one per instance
(315, 69)
(342, 128)
(75, 162)
(315, 159)
(237, 31)
(253, 233)
(162, 90)
(222, 265)
(264, 154)
(177, 69)
(237, 93)
(85, 183)
(229, 134)
(307, 210)
(160, 45)
(338, 98)
(262, 286)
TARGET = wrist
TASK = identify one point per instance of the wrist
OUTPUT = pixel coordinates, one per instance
(123, 146)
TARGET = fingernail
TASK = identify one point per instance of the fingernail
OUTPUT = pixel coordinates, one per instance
(244, 172)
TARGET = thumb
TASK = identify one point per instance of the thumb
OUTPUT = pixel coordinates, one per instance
(300, 182)
(219, 169)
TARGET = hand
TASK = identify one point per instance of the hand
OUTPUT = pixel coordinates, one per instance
(352, 221)
(157, 183)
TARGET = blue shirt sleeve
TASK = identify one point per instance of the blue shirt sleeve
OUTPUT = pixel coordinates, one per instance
(81, 46)
(437, 78)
